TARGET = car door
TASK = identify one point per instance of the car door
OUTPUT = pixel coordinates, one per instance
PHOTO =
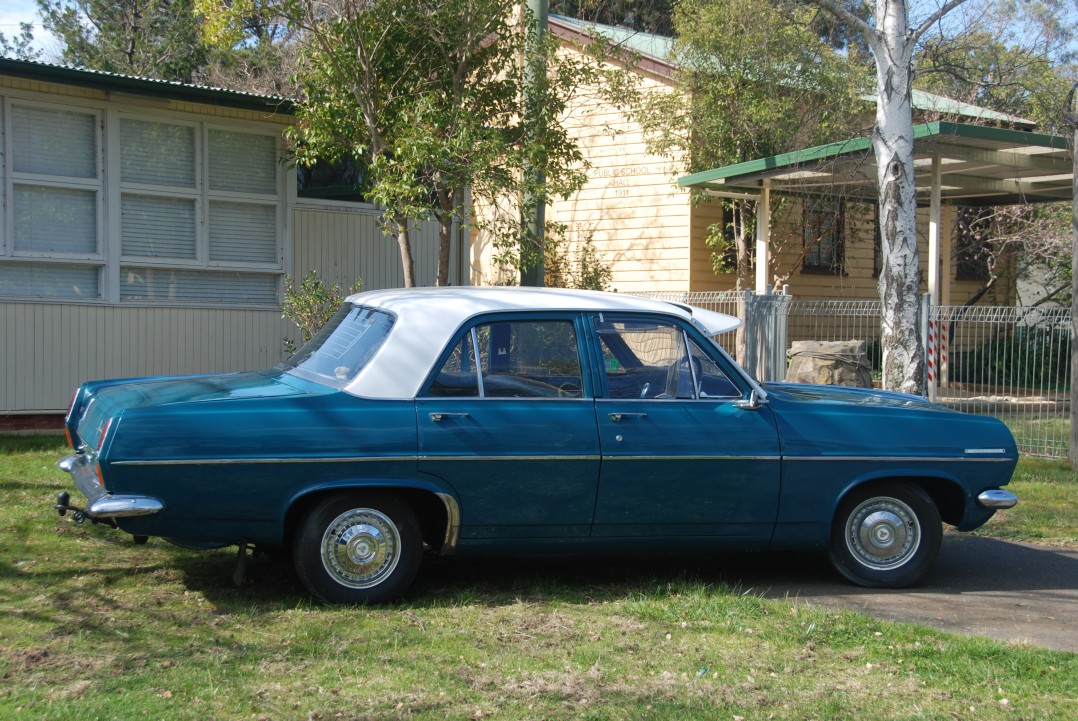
(508, 420)
(682, 455)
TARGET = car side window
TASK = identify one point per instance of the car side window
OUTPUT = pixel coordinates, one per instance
(458, 376)
(516, 359)
(654, 359)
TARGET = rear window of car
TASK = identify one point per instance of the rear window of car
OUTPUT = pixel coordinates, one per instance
(343, 347)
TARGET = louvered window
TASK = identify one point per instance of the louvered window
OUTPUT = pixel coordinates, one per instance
(153, 153)
(164, 285)
(158, 227)
(242, 162)
(191, 211)
(243, 232)
(50, 280)
(196, 226)
(53, 203)
(54, 142)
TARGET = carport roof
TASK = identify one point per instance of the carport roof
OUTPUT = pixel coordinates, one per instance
(978, 166)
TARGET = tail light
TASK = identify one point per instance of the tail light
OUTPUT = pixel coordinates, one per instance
(68, 419)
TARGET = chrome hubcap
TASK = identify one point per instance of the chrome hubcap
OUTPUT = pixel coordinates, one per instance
(883, 533)
(361, 548)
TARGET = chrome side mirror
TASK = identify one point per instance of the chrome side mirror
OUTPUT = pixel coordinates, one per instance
(752, 403)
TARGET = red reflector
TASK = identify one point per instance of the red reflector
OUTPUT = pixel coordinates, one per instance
(97, 469)
(70, 440)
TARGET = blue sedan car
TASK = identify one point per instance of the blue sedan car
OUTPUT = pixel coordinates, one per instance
(497, 420)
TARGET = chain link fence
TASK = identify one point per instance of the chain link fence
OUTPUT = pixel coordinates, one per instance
(1009, 362)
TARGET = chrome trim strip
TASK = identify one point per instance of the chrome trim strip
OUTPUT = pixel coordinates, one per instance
(692, 458)
(901, 459)
(511, 458)
(412, 459)
(985, 450)
(997, 498)
(233, 461)
(124, 507)
(452, 526)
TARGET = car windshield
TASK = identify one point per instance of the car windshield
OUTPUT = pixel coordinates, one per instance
(344, 346)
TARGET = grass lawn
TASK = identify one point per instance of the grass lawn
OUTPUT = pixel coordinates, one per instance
(1047, 510)
(93, 626)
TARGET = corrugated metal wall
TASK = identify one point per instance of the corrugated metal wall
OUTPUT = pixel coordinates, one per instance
(344, 246)
(48, 349)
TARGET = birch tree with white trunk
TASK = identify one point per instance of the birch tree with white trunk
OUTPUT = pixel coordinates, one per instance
(892, 39)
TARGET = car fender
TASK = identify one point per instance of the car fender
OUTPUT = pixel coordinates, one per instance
(937, 482)
(440, 490)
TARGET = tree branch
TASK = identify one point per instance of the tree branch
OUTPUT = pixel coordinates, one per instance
(934, 18)
(835, 8)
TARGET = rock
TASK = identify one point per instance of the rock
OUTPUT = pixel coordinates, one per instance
(836, 363)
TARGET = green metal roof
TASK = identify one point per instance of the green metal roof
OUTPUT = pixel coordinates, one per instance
(932, 103)
(661, 48)
(167, 89)
(979, 166)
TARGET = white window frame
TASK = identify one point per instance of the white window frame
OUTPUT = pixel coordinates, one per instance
(203, 197)
(162, 191)
(10, 178)
(109, 189)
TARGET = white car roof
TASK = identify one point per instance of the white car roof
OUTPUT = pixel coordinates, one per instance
(427, 318)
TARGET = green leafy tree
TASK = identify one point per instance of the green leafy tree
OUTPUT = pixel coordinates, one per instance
(310, 304)
(428, 95)
(653, 17)
(149, 38)
(895, 32)
(989, 66)
(258, 54)
(994, 66)
(752, 81)
(20, 46)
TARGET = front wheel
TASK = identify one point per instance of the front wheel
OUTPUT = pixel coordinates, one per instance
(358, 548)
(886, 535)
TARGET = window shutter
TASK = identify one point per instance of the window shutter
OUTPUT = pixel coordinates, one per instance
(50, 280)
(55, 220)
(243, 232)
(156, 227)
(51, 142)
(242, 162)
(162, 285)
(157, 153)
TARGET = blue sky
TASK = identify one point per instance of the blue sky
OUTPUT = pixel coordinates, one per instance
(12, 12)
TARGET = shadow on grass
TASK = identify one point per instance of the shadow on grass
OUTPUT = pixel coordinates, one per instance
(966, 565)
(572, 579)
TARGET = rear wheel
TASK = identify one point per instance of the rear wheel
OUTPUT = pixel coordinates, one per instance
(358, 547)
(886, 535)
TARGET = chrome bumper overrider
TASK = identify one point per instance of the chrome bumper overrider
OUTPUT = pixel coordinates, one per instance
(997, 498)
(101, 503)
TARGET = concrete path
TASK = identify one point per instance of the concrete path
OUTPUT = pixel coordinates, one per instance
(1011, 592)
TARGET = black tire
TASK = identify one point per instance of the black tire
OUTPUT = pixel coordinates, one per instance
(358, 547)
(886, 535)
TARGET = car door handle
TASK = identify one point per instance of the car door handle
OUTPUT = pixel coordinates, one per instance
(616, 417)
(438, 417)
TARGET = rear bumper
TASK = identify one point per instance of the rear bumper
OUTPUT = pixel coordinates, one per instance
(101, 503)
